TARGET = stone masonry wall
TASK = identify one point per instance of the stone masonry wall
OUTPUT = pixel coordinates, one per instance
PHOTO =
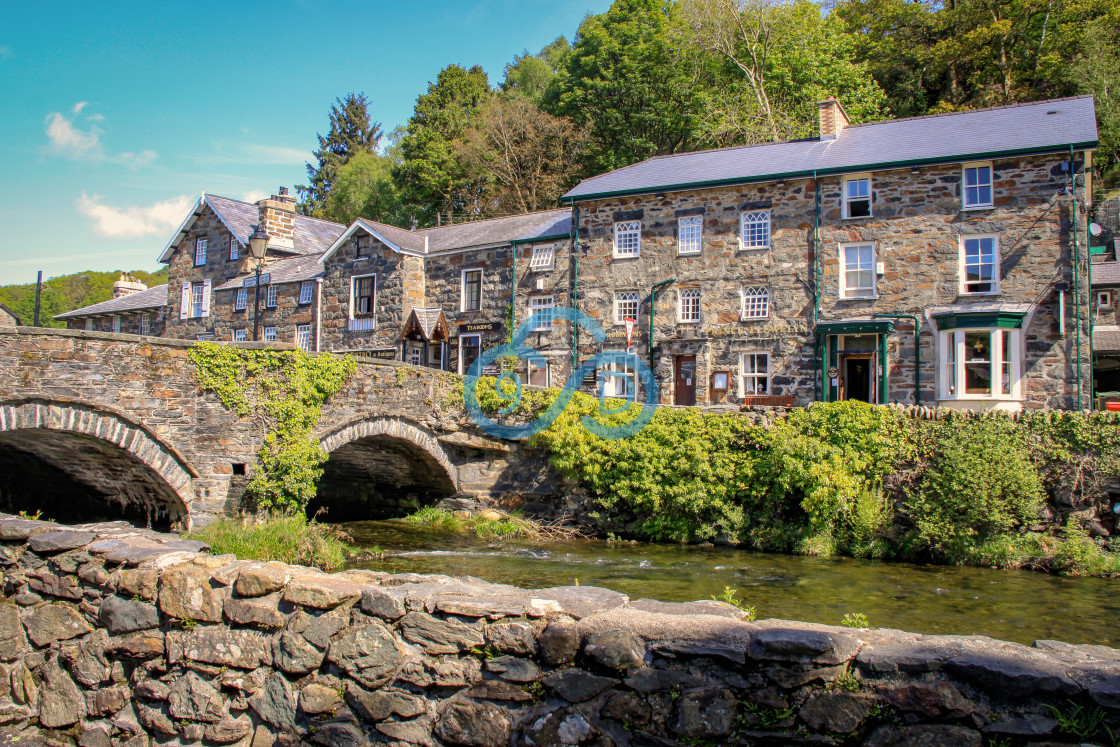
(116, 636)
(218, 269)
(391, 308)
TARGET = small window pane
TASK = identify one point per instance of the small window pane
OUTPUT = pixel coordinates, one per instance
(542, 258)
(239, 335)
(980, 265)
(625, 307)
(544, 306)
(470, 347)
(273, 293)
(857, 198)
(242, 299)
(270, 334)
(690, 305)
(472, 290)
(196, 300)
(690, 231)
(978, 362)
(755, 229)
(755, 372)
(234, 249)
(756, 303)
(363, 295)
(200, 251)
(303, 336)
(859, 270)
(977, 186)
(305, 290)
(627, 238)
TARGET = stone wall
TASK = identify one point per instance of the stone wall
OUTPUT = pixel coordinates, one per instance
(117, 636)
(218, 269)
(130, 322)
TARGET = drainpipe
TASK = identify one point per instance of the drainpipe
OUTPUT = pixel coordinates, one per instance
(573, 251)
(513, 291)
(817, 383)
(318, 312)
(1076, 277)
(653, 291)
(1092, 312)
(917, 350)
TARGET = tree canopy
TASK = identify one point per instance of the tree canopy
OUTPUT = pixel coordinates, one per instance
(351, 132)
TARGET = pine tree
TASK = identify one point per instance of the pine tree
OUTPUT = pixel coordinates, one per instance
(351, 132)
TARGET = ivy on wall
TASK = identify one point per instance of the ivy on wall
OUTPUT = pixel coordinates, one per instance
(284, 391)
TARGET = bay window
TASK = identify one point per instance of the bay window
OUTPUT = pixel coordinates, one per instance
(981, 363)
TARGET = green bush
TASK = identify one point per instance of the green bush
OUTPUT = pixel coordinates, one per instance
(980, 484)
(288, 539)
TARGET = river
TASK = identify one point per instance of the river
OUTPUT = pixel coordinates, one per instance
(1012, 605)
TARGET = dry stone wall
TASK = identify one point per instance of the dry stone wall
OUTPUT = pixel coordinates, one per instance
(117, 636)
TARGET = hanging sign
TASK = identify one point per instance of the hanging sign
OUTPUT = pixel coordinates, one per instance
(479, 327)
(629, 330)
(833, 372)
(251, 281)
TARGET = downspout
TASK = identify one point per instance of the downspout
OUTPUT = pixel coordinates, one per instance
(1092, 309)
(513, 291)
(1076, 277)
(917, 350)
(652, 292)
(573, 250)
(817, 344)
(318, 312)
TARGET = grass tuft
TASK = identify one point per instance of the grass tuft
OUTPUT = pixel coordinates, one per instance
(288, 539)
(493, 524)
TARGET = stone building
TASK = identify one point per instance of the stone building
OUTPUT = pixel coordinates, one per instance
(8, 317)
(134, 309)
(808, 270)
(1104, 305)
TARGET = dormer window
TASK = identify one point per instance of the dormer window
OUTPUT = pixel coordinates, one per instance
(857, 197)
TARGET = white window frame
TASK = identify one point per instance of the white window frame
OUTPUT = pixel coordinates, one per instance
(234, 249)
(618, 370)
(89, 324)
(1104, 299)
(952, 361)
(206, 337)
(754, 302)
(690, 235)
(845, 290)
(200, 246)
(306, 292)
(626, 297)
(532, 364)
(240, 335)
(270, 334)
(272, 297)
(463, 288)
(990, 184)
(754, 229)
(848, 200)
(543, 259)
(146, 324)
(302, 337)
(463, 370)
(755, 376)
(241, 299)
(115, 324)
(542, 303)
(198, 300)
(627, 239)
(435, 354)
(963, 264)
(688, 306)
(362, 321)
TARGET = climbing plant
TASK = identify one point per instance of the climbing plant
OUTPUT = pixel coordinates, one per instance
(284, 390)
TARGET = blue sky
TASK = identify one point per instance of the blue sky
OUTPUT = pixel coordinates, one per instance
(115, 115)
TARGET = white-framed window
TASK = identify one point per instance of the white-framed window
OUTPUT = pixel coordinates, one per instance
(690, 234)
(690, 305)
(240, 335)
(198, 294)
(1104, 298)
(756, 302)
(981, 363)
(625, 306)
(976, 185)
(435, 355)
(413, 353)
(116, 323)
(754, 374)
(200, 251)
(361, 246)
(305, 289)
(270, 334)
(543, 258)
(363, 302)
(303, 337)
(89, 324)
(979, 264)
(234, 248)
(857, 197)
(754, 229)
(241, 300)
(538, 373)
(470, 347)
(628, 238)
(618, 378)
(145, 324)
(206, 337)
(470, 290)
(272, 296)
(544, 305)
(857, 271)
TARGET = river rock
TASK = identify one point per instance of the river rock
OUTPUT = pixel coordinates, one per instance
(512, 638)
(244, 649)
(321, 592)
(648, 680)
(194, 699)
(1015, 675)
(274, 703)
(582, 601)
(892, 735)
(443, 671)
(437, 636)
(186, 593)
(121, 616)
(370, 654)
(319, 629)
(417, 731)
(255, 611)
(701, 607)
(61, 703)
(55, 622)
(228, 730)
(85, 659)
(154, 718)
(559, 642)
(293, 654)
(838, 712)
(152, 690)
(315, 699)
(513, 669)
(473, 724)
(619, 650)
(937, 699)
(382, 704)
(260, 580)
(138, 582)
(143, 645)
(13, 641)
(59, 541)
(382, 604)
(793, 642)
(576, 685)
(564, 726)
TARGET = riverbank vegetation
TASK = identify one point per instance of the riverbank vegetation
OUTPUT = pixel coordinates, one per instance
(490, 523)
(292, 539)
(851, 479)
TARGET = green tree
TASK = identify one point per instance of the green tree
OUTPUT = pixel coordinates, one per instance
(364, 188)
(433, 171)
(1096, 70)
(626, 84)
(530, 75)
(351, 132)
(68, 292)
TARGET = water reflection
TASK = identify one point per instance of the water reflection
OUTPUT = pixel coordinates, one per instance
(1012, 605)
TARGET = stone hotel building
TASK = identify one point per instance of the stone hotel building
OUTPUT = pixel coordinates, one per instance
(937, 260)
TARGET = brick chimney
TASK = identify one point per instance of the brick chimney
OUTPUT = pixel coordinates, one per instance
(127, 285)
(833, 118)
(277, 217)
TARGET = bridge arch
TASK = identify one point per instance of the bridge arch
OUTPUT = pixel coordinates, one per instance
(381, 467)
(110, 456)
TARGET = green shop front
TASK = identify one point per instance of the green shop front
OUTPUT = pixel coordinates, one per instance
(854, 357)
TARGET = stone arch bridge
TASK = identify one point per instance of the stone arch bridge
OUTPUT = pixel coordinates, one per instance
(102, 424)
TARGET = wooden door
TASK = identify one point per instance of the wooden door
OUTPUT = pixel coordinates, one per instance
(684, 388)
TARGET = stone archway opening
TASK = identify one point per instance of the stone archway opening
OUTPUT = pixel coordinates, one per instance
(381, 469)
(76, 478)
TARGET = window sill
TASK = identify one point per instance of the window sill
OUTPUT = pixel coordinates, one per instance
(626, 256)
(857, 217)
(966, 294)
(973, 208)
(755, 318)
(690, 254)
(873, 297)
(743, 248)
(688, 321)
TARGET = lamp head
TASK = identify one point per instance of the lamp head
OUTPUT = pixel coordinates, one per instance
(258, 243)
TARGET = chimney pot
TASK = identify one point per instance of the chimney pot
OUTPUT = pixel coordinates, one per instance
(277, 216)
(283, 191)
(833, 118)
(127, 285)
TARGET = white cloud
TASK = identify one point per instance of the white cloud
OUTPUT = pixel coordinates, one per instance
(253, 195)
(69, 140)
(136, 221)
(252, 153)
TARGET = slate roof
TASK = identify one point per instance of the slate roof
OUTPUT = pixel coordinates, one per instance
(427, 318)
(1106, 339)
(1106, 273)
(1033, 127)
(286, 270)
(153, 298)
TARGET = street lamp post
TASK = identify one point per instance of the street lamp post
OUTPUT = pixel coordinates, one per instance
(258, 244)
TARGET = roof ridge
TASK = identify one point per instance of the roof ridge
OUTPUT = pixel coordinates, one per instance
(1014, 105)
(496, 217)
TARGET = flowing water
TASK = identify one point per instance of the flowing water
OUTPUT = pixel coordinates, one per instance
(1012, 605)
